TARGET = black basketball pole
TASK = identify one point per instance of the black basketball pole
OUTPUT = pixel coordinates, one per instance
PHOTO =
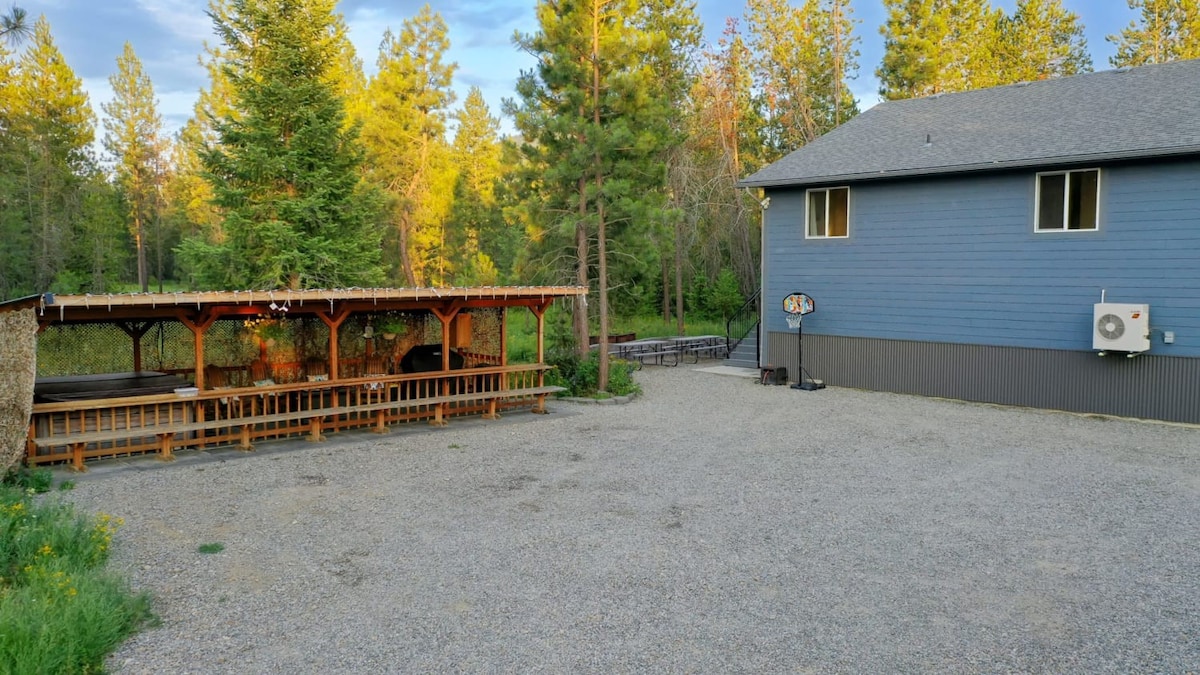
(797, 305)
(800, 377)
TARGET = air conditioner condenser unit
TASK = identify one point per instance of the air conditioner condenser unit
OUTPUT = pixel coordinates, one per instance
(1121, 327)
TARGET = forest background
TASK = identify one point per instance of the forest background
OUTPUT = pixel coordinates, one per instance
(615, 166)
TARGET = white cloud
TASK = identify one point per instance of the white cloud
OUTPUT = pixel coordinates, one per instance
(183, 18)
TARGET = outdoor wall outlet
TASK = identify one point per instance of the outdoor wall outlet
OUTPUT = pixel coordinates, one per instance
(1169, 337)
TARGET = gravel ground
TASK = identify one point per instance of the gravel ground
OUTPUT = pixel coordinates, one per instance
(711, 525)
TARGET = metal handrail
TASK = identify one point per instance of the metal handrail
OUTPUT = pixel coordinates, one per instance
(741, 322)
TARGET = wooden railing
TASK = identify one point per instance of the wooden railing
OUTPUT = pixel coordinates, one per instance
(75, 431)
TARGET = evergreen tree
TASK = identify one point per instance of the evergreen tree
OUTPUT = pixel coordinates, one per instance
(404, 128)
(54, 123)
(802, 58)
(98, 259)
(134, 139)
(14, 228)
(1167, 30)
(285, 169)
(596, 127)
(674, 63)
(937, 46)
(725, 86)
(550, 114)
(14, 24)
(721, 227)
(1041, 40)
(477, 225)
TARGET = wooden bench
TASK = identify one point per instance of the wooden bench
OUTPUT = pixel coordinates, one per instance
(166, 434)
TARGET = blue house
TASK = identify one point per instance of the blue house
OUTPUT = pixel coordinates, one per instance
(956, 245)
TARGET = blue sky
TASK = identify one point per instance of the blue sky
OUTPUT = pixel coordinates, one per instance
(167, 35)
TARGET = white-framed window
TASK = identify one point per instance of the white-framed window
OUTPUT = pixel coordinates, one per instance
(1067, 200)
(828, 213)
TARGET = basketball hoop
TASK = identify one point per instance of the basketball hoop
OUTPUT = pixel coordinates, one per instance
(795, 306)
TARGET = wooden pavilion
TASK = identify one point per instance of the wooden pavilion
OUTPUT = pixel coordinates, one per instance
(155, 372)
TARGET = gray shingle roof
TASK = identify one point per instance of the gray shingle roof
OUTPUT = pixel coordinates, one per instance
(1152, 111)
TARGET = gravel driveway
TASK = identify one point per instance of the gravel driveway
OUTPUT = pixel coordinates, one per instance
(713, 525)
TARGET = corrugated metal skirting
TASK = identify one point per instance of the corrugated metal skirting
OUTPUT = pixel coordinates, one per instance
(1150, 387)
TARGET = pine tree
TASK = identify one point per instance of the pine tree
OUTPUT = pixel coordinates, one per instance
(1041, 40)
(477, 225)
(550, 115)
(596, 127)
(938, 46)
(404, 128)
(14, 227)
(802, 59)
(54, 122)
(721, 226)
(134, 139)
(676, 32)
(285, 172)
(14, 25)
(1167, 30)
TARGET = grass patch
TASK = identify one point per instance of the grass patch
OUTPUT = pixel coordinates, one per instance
(522, 331)
(33, 481)
(61, 611)
(655, 327)
(214, 547)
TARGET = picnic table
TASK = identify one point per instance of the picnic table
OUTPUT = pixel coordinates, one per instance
(712, 346)
(105, 385)
(640, 350)
(669, 351)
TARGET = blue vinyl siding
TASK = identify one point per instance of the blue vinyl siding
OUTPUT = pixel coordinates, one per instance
(956, 259)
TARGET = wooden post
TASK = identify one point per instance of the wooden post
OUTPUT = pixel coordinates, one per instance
(445, 315)
(381, 426)
(314, 431)
(135, 333)
(198, 328)
(334, 321)
(77, 457)
(165, 441)
(540, 312)
(504, 336)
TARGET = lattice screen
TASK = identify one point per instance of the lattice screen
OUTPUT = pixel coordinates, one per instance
(87, 349)
(422, 328)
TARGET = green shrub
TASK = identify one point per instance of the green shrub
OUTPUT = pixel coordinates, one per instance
(60, 611)
(724, 296)
(24, 478)
(581, 376)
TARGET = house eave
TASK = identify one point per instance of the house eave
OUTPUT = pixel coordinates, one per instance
(978, 167)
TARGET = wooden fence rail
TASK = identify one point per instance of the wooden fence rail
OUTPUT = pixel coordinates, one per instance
(75, 431)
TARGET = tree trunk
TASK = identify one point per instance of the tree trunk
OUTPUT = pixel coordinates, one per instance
(139, 238)
(406, 266)
(581, 273)
(679, 277)
(666, 291)
(601, 243)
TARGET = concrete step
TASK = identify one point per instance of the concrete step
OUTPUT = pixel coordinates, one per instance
(745, 354)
